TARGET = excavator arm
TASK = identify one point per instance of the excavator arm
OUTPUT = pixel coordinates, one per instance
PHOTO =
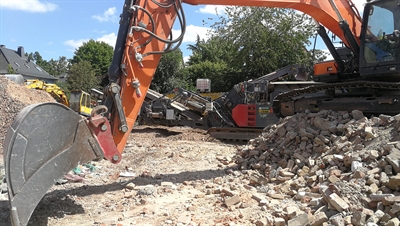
(47, 140)
(148, 36)
(150, 25)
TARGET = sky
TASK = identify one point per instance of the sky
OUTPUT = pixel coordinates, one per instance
(57, 28)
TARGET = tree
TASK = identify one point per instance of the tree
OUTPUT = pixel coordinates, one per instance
(81, 76)
(211, 59)
(249, 42)
(215, 71)
(167, 74)
(35, 57)
(214, 50)
(57, 67)
(64, 86)
(38, 59)
(264, 39)
(98, 53)
(10, 70)
(52, 67)
(319, 56)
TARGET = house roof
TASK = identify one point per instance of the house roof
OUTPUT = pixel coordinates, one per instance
(20, 64)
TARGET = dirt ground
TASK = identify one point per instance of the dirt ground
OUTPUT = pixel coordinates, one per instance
(325, 168)
(168, 176)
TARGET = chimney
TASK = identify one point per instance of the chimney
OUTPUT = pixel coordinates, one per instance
(21, 51)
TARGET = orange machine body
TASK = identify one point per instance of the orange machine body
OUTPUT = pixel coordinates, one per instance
(162, 22)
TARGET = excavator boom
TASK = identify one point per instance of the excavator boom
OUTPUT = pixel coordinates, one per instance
(139, 63)
(36, 156)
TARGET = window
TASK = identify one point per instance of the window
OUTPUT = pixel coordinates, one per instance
(38, 68)
(27, 66)
(16, 64)
(86, 101)
(381, 19)
(382, 23)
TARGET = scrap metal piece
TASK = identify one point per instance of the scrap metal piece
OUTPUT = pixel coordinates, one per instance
(234, 133)
(44, 143)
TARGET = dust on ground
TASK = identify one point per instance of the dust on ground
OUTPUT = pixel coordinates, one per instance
(156, 183)
(325, 168)
(163, 179)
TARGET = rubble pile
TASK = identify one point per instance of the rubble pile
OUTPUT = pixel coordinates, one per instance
(341, 168)
(14, 97)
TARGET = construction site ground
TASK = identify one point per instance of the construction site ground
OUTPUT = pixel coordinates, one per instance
(323, 168)
(162, 180)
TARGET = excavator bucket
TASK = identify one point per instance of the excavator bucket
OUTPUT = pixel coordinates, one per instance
(44, 143)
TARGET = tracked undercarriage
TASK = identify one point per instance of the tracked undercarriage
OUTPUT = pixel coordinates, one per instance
(367, 96)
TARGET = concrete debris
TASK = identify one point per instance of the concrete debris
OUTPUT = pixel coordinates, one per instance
(343, 161)
(232, 200)
(300, 220)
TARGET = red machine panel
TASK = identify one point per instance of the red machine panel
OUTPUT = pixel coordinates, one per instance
(244, 115)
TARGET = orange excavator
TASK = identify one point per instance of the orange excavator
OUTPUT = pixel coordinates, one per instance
(47, 140)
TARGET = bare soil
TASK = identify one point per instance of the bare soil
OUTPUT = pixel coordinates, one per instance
(167, 177)
(325, 168)
(163, 178)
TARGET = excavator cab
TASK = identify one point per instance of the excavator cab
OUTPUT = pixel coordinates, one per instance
(80, 102)
(380, 40)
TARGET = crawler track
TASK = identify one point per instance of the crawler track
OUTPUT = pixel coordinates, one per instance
(368, 96)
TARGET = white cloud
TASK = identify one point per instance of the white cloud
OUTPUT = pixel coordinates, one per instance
(30, 6)
(108, 15)
(109, 39)
(186, 59)
(75, 44)
(212, 9)
(191, 33)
